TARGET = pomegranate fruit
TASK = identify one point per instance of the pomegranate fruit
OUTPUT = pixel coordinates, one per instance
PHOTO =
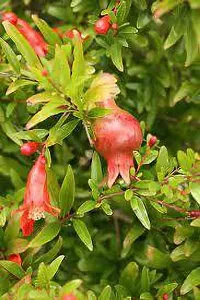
(117, 135)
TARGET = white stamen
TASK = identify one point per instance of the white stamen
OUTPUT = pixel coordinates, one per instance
(36, 214)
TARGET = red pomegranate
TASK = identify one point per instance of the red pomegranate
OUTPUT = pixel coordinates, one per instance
(117, 135)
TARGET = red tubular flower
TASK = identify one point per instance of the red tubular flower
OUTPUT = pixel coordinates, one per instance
(32, 36)
(117, 135)
(102, 25)
(36, 197)
(69, 297)
(15, 258)
(29, 148)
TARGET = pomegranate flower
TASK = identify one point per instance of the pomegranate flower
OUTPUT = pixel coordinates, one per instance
(15, 258)
(32, 36)
(117, 135)
(36, 197)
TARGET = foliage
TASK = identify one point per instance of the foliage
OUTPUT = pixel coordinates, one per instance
(140, 240)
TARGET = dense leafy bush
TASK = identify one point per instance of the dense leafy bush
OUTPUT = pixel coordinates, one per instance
(68, 232)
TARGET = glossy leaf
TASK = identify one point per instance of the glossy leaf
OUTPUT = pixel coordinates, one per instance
(47, 233)
(11, 56)
(51, 37)
(23, 46)
(83, 233)
(67, 192)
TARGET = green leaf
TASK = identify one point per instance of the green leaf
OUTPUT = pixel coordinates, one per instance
(162, 163)
(96, 170)
(192, 280)
(71, 286)
(102, 87)
(11, 56)
(48, 233)
(18, 84)
(50, 36)
(134, 202)
(128, 195)
(191, 45)
(32, 135)
(121, 12)
(12, 268)
(177, 29)
(42, 279)
(167, 289)
(196, 22)
(86, 206)
(146, 296)
(141, 213)
(106, 208)
(91, 295)
(78, 72)
(47, 257)
(57, 135)
(145, 280)
(23, 46)
(106, 293)
(83, 233)
(116, 56)
(127, 30)
(54, 266)
(195, 223)
(159, 8)
(17, 246)
(50, 109)
(195, 191)
(12, 229)
(67, 192)
(133, 234)
(185, 90)
(150, 157)
(194, 4)
(184, 162)
(98, 112)
(61, 71)
(10, 109)
(40, 98)
(129, 275)
(10, 131)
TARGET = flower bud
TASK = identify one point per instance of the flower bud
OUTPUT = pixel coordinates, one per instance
(44, 73)
(165, 296)
(15, 258)
(102, 25)
(29, 148)
(11, 17)
(115, 26)
(152, 140)
(69, 297)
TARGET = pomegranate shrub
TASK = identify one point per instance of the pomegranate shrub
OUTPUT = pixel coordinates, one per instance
(97, 199)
